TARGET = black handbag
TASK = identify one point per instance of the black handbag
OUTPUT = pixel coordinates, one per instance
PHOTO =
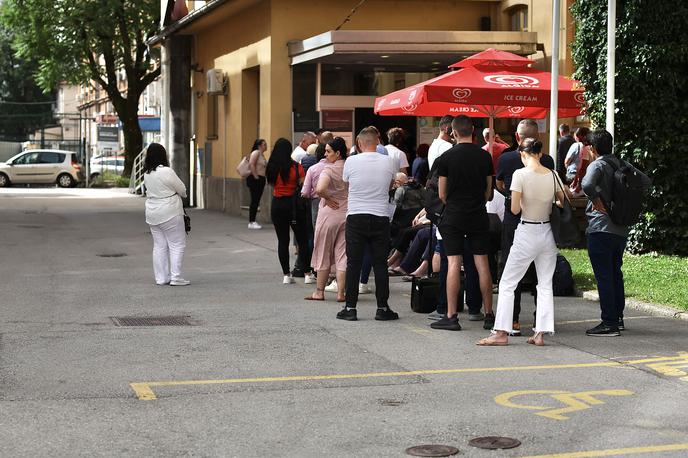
(187, 222)
(564, 226)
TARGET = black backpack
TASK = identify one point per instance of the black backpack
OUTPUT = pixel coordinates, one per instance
(562, 282)
(434, 207)
(627, 192)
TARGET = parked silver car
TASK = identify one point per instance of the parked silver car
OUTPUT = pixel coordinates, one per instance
(42, 166)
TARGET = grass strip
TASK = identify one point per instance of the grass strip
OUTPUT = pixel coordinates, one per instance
(654, 278)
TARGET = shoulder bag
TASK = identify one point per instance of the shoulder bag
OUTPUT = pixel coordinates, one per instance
(564, 225)
(244, 169)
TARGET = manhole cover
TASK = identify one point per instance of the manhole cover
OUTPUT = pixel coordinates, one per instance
(112, 255)
(432, 450)
(30, 226)
(494, 442)
(151, 321)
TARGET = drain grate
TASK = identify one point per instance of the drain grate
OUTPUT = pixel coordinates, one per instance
(390, 402)
(432, 450)
(152, 320)
(494, 442)
(111, 255)
(31, 226)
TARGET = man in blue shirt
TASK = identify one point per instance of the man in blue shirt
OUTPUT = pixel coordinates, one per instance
(606, 240)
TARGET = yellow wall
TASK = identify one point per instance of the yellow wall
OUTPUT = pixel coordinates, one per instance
(258, 36)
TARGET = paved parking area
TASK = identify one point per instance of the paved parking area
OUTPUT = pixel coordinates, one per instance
(261, 372)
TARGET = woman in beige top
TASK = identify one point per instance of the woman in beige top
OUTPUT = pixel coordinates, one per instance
(329, 245)
(533, 189)
(256, 180)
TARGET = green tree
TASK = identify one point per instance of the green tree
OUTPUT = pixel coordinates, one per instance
(21, 107)
(651, 104)
(88, 42)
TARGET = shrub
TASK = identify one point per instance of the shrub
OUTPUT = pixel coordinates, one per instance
(651, 104)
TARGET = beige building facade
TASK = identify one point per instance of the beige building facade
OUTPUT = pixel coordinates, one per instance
(275, 68)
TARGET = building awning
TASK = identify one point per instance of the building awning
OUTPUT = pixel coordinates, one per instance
(406, 50)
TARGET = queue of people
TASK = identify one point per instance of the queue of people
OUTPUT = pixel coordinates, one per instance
(352, 210)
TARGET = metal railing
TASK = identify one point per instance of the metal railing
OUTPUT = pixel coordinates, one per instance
(137, 172)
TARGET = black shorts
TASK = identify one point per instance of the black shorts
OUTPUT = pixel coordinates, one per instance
(454, 241)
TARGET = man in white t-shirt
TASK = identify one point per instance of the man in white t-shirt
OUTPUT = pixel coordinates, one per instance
(300, 151)
(370, 177)
(396, 136)
(443, 141)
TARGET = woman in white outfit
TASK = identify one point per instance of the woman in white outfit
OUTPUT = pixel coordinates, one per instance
(533, 189)
(165, 215)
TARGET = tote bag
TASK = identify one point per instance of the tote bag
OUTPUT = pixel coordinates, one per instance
(243, 169)
(564, 225)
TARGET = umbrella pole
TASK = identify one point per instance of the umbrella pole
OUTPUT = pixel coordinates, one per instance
(492, 136)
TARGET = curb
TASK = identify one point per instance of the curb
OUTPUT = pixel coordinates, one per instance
(646, 307)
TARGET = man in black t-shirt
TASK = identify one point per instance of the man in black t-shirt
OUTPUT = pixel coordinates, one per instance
(465, 184)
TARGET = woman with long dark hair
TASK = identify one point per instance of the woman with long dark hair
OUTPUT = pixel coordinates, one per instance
(256, 180)
(329, 241)
(533, 189)
(286, 176)
(165, 216)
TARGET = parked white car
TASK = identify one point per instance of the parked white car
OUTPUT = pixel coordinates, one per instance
(102, 164)
(42, 166)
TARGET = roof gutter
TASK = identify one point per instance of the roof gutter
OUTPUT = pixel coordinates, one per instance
(184, 22)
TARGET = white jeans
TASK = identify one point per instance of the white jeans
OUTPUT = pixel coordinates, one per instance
(532, 242)
(169, 241)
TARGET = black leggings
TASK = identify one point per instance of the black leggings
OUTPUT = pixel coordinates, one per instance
(282, 214)
(256, 187)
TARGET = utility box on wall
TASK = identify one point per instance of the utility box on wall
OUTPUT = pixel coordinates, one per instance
(216, 81)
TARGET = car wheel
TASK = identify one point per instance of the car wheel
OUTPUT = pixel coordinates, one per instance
(94, 176)
(4, 181)
(65, 181)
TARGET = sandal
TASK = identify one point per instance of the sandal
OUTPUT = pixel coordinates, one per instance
(313, 298)
(532, 340)
(490, 342)
(408, 277)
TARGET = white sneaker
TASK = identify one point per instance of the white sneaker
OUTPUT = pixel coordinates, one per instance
(254, 225)
(332, 287)
(309, 279)
(180, 282)
(288, 280)
(363, 288)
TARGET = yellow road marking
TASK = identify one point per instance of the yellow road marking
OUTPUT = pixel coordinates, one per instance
(616, 451)
(145, 392)
(421, 331)
(573, 401)
(597, 320)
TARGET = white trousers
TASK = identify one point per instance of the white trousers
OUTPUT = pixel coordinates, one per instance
(532, 242)
(169, 241)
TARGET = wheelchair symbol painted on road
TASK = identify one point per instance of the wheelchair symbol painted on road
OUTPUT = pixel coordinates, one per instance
(573, 402)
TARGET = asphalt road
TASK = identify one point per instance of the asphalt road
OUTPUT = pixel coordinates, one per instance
(261, 372)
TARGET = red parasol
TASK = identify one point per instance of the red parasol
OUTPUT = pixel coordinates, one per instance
(493, 56)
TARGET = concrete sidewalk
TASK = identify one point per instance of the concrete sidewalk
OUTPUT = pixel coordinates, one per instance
(264, 373)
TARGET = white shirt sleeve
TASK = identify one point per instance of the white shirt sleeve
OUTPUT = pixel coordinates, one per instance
(516, 184)
(174, 182)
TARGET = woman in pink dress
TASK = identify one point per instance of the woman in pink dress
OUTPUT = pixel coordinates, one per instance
(329, 247)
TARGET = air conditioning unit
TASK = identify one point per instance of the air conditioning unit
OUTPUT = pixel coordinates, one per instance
(216, 81)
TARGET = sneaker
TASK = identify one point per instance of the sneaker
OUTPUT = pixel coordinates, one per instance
(516, 330)
(489, 321)
(476, 316)
(446, 323)
(332, 287)
(386, 314)
(347, 314)
(621, 325)
(254, 225)
(309, 279)
(363, 288)
(288, 280)
(180, 282)
(602, 330)
(434, 316)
